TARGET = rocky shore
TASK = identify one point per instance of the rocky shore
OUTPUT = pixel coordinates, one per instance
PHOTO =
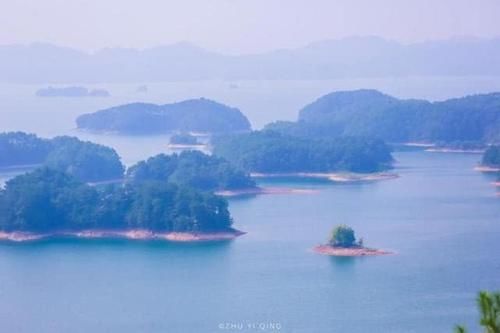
(348, 251)
(453, 150)
(133, 234)
(333, 176)
(485, 168)
(264, 190)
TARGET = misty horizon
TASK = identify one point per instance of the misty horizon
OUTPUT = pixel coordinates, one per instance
(240, 27)
(194, 45)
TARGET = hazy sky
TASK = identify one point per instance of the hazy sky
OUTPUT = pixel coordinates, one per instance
(240, 26)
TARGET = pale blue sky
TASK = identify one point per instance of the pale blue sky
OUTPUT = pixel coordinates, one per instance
(237, 26)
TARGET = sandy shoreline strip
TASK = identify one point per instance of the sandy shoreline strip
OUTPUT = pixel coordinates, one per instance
(264, 190)
(485, 168)
(451, 150)
(333, 176)
(419, 144)
(200, 146)
(348, 252)
(134, 234)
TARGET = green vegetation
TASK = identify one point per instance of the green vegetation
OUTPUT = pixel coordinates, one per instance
(47, 200)
(18, 148)
(191, 168)
(489, 308)
(196, 115)
(183, 139)
(85, 160)
(491, 156)
(343, 236)
(373, 114)
(272, 152)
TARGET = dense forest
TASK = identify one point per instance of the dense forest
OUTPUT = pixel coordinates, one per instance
(18, 148)
(47, 200)
(371, 113)
(85, 160)
(191, 168)
(195, 115)
(273, 152)
(491, 157)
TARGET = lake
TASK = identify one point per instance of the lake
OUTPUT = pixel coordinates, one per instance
(441, 218)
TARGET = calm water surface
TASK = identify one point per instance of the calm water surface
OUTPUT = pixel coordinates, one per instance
(441, 217)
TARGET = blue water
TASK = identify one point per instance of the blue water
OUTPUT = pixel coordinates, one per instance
(440, 217)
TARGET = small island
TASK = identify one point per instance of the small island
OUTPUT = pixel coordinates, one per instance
(491, 160)
(71, 92)
(343, 243)
(184, 140)
(48, 203)
(142, 89)
(195, 115)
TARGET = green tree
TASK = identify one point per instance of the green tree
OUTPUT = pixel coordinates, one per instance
(193, 169)
(491, 156)
(268, 151)
(84, 160)
(343, 236)
(489, 308)
(48, 200)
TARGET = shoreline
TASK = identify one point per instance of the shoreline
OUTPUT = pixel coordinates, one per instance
(418, 144)
(19, 167)
(341, 177)
(132, 234)
(451, 150)
(199, 146)
(485, 168)
(263, 190)
(348, 251)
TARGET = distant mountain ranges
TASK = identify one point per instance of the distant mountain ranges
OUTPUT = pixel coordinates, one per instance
(346, 58)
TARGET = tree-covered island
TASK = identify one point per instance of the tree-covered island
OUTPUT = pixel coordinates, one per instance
(85, 160)
(184, 139)
(191, 168)
(491, 159)
(366, 112)
(20, 149)
(343, 243)
(195, 115)
(272, 152)
(47, 203)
